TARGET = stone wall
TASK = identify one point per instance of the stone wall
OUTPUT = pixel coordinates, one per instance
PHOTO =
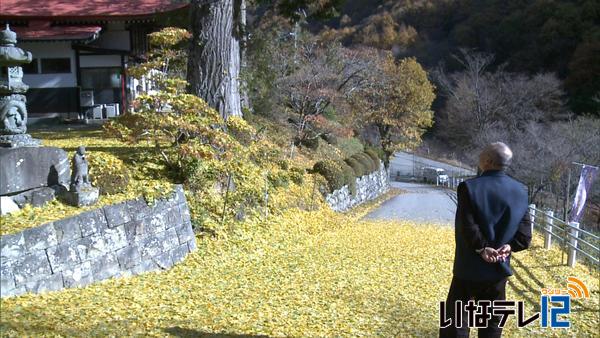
(368, 187)
(122, 239)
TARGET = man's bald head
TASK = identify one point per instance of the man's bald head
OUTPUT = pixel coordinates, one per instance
(495, 156)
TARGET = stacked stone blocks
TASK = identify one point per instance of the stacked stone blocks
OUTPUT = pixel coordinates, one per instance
(368, 187)
(122, 239)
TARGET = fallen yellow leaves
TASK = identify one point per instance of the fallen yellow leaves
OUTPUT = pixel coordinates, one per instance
(96, 143)
(303, 274)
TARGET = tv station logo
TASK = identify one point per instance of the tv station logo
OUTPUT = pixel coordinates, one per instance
(555, 307)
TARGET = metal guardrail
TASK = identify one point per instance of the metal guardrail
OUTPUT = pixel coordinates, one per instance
(452, 182)
(570, 235)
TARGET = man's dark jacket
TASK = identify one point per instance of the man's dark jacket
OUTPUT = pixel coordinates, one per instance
(492, 211)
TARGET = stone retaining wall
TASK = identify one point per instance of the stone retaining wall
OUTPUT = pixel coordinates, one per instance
(368, 187)
(122, 239)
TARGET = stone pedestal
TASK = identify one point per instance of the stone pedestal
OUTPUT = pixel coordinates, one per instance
(18, 140)
(85, 196)
(38, 196)
(27, 168)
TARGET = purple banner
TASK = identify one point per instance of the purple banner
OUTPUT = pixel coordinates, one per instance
(588, 174)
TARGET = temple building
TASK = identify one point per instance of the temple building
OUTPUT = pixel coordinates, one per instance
(81, 50)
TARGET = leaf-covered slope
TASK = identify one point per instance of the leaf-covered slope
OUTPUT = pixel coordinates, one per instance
(303, 274)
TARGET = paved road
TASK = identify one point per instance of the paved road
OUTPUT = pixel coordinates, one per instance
(421, 203)
(407, 164)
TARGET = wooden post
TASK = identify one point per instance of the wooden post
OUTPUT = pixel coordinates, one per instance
(532, 216)
(266, 196)
(548, 222)
(574, 231)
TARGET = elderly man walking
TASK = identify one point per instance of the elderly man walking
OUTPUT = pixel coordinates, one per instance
(491, 223)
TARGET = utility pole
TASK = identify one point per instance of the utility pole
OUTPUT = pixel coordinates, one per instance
(413, 164)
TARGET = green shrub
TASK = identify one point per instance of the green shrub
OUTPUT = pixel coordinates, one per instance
(373, 154)
(278, 178)
(330, 138)
(377, 151)
(311, 143)
(332, 173)
(373, 163)
(108, 172)
(349, 176)
(366, 162)
(327, 152)
(349, 146)
(297, 175)
(357, 166)
(284, 164)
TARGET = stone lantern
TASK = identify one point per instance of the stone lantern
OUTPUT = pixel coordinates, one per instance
(13, 111)
(29, 173)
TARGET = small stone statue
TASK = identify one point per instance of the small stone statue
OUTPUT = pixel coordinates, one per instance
(81, 191)
(80, 178)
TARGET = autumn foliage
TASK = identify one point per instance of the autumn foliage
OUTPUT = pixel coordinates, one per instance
(397, 100)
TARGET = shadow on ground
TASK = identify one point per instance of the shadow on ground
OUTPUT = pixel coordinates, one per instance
(190, 333)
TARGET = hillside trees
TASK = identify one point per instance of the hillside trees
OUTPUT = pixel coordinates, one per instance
(298, 10)
(319, 82)
(321, 85)
(479, 101)
(526, 112)
(537, 36)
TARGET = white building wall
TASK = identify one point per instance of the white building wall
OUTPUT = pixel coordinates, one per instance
(41, 50)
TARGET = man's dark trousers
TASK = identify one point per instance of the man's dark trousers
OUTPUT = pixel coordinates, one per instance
(464, 291)
(491, 212)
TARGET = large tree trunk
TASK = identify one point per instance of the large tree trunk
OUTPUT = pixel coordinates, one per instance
(214, 57)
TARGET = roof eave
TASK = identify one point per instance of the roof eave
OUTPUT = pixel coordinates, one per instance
(106, 17)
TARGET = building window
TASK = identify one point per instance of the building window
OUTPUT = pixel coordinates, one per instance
(62, 65)
(105, 82)
(31, 68)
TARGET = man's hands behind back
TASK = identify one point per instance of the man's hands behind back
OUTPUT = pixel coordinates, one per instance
(492, 255)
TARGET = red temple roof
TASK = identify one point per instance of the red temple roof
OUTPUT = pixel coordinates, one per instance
(85, 9)
(42, 30)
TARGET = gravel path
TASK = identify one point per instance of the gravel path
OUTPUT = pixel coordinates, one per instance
(421, 203)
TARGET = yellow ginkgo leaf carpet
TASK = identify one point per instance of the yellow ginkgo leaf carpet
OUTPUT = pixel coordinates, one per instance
(301, 274)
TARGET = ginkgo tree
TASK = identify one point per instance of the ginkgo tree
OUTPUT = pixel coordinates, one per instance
(395, 97)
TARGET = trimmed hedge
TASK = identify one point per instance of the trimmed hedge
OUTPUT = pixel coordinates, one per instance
(332, 172)
(340, 173)
(366, 161)
(349, 176)
(357, 166)
(373, 155)
(377, 152)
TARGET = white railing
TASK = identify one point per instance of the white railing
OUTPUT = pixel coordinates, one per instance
(574, 239)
